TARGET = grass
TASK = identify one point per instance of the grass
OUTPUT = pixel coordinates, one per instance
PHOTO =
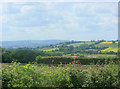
(111, 45)
(75, 44)
(108, 42)
(96, 55)
(78, 44)
(47, 49)
(103, 55)
(51, 49)
(114, 49)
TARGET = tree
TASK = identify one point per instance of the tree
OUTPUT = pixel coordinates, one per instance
(71, 48)
(113, 42)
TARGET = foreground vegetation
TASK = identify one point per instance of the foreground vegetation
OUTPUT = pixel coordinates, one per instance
(68, 75)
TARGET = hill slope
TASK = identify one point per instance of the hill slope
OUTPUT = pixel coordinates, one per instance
(87, 47)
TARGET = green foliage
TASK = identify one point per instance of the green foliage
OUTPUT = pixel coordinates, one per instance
(82, 55)
(70, 75)
(21, 55)
(104, 77)
(26, 54)
(66, 60)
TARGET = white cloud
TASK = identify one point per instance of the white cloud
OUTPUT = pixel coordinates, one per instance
(60, 0)
(49, 32)
(59, 20)
(0, 22)
(0, 36)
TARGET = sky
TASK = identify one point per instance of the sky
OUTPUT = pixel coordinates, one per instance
(59, 20)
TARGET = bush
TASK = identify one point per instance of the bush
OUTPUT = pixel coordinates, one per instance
(71, 75)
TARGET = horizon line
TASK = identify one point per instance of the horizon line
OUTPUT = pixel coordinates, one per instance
(61, 40)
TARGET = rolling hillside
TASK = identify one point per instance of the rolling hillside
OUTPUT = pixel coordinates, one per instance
(76, 48)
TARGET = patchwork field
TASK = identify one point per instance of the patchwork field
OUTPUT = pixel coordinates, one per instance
(114, 49)
(75, 49)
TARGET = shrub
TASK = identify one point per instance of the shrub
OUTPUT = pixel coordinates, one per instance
(71, 75)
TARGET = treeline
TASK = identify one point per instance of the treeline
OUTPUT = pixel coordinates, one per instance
(21, 55)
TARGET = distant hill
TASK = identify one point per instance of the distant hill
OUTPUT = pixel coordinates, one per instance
(86, 47)
(64, 47)
(29, 43)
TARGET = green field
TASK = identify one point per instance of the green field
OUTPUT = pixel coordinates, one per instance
(109, 42)
(104, 47)
(50, 49)
(82, 43)
(114, 49)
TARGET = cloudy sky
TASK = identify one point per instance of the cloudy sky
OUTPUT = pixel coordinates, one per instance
(59, 20)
